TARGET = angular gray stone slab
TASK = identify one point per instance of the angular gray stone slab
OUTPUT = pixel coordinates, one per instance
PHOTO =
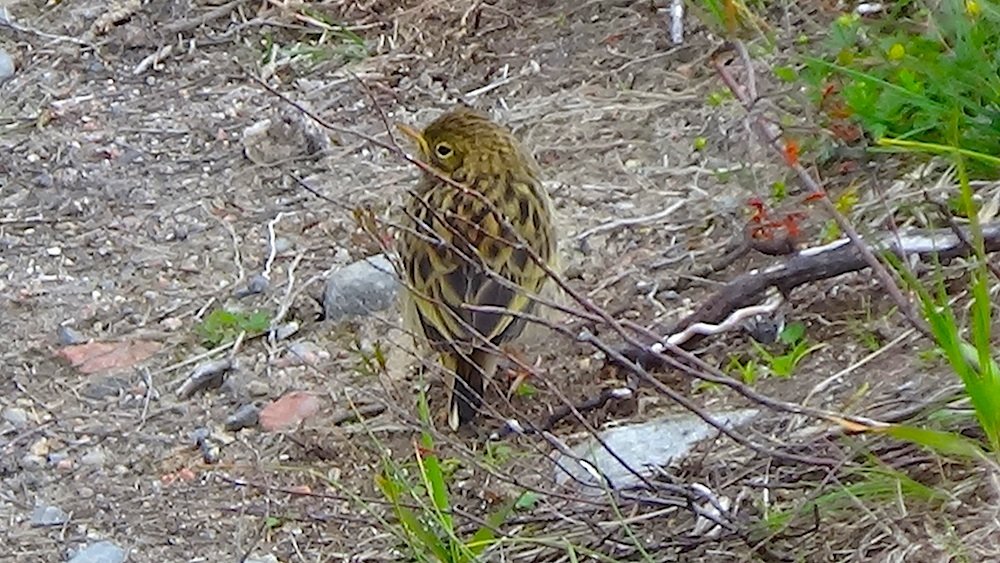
(642, 447)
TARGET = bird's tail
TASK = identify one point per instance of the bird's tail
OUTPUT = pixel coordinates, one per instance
(467, 387)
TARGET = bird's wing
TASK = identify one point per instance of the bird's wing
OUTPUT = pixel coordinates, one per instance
(498, 274)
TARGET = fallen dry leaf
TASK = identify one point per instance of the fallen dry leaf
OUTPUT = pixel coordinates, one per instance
(95, 357)
(300, 490)
(287, 411)
(183, 475)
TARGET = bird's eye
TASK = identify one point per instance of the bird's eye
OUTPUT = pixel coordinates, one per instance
(443, 150)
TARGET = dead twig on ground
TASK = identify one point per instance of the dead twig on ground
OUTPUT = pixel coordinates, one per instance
(810, 265)
(198, 21)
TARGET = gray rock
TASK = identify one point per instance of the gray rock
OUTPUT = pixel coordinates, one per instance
(244, 417)
(361, 288)
(305, 353)
(68, 336)
(283, 245)
(641, 447)
(257, 388)
(55, 458)
(283, 331)
(32, 461)
(257, 284)
(18, 418)
(100, 552)
(104, 388)
(94, 457)
(206, 375)
(48, 515)
(199, 435)
(6, 66)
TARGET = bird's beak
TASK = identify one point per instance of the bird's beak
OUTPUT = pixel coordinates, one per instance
(413, 135)
(417, 138)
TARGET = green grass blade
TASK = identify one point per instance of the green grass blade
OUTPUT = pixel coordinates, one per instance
(416, 530)
(485, 536)
(935, 148)
(944, 443)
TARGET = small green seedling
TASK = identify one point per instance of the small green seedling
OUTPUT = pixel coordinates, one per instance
(222, 326)
(796, 348)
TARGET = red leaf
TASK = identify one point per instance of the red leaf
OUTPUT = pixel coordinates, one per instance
(291, 409)
(846, 131)
(791, 152)
(95, 357)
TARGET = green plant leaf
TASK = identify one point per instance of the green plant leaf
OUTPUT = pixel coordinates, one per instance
(525, 390)
(945, 443)
(485, 536)
(786, 74)
(792, 334)
(526, 501)
(416, 530)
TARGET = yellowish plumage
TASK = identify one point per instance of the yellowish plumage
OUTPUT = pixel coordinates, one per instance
(456, 251)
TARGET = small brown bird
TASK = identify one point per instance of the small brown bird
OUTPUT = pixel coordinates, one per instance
(462, 250)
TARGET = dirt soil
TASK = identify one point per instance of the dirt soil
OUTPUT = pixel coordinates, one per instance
(137, 194)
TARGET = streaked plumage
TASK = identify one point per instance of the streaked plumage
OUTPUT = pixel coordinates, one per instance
(451, 240)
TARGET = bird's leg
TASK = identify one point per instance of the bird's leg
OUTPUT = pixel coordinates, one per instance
(515, 374)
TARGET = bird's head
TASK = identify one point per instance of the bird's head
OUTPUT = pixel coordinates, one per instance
(468, 141)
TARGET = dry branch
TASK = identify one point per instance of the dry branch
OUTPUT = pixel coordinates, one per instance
(810, 265)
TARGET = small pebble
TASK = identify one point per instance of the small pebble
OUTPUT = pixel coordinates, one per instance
(765, 328)
(41, 447)
(53, 251)
(341, 256)
(288, 411)
(104, 388)
(207, 375)
(244, 417)
(284, 331)
(32, 461)
(17, 417)
(47, 515)
(199, 435)
(258, 284)
(6, 66)
(94, 457)
(100, 552)
(282, 245)
(303, 353)
(202, 440)
(258, 388)
(55, 458)
(171, 324)
(69, 336)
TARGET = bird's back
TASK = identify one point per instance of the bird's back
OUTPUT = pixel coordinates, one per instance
(460, 252)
